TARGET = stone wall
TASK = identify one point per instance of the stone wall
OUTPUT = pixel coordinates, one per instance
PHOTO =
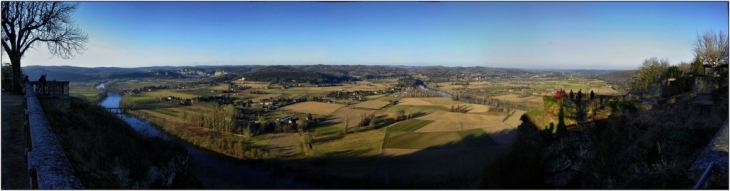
(703, 85)
(716, 153)
(48, 165)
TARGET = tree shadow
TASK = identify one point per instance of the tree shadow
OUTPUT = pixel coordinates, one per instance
(562, 129)
(331, 137)
(326, 121)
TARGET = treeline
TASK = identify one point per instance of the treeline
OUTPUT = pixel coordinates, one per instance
(409, 82)
(417, 92)
(355, 95)
(438, 74)
(224, 143)
(152, 74)
(281, 74)
(220, 100)
(368, 72)
(223, 118)
(620, 78)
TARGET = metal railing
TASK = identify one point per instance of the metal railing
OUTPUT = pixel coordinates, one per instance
(48, 166)
(704, 176)
(50, 89)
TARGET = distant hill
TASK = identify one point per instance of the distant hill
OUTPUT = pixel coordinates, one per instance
(62, 73)
(280, 74)
(74, 73)
(618, 78)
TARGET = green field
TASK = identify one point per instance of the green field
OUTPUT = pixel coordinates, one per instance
(327, 130)
(408, 126)
(443, 140)
(165, 111)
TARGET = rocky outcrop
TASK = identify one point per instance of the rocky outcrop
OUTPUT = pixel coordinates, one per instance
(162, 175)
(567, 157)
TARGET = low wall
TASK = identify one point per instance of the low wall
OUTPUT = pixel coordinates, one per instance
(48, 165)
(716, 153)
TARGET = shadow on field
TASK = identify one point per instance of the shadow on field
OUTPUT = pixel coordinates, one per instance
(455, 164)
(326, 121)
(335, 137)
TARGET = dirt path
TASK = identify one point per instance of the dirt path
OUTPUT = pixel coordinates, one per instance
(14, 168)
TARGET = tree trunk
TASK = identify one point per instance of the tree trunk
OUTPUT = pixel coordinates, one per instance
(15, 62)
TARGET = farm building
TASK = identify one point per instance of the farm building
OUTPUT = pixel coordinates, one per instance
(287, 119)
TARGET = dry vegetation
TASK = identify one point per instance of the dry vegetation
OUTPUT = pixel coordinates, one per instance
(254, 84)
(448, 103)
(354, 116)
(414, 101)
(259, 98)
(318, 108)
(284, 144)
(165, 93)
(518, 98)
(372, 104)
(451, 121)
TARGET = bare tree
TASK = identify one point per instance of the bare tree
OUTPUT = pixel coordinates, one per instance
(25, 23)
(712, 48)
(685, 68)
(649, 74)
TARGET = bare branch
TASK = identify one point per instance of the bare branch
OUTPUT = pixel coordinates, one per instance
(712, 48)
(25, 23)
(49, 22)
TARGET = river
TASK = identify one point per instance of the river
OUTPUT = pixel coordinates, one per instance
(442, 93)
(100, 86)
(214, 170)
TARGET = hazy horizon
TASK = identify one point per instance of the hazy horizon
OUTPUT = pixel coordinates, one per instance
(193, 66)
(529, 35)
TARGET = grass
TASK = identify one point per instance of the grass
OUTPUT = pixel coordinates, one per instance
(86, 96)
(372, 104)
(476, 138)
(318, 108)
(349, 154)
(165, 93)
(165, 111)
(327, 130)
(443, 140)
(354, 115)
(413, 140)
(414, 108)
(408, 126)
(261, 140)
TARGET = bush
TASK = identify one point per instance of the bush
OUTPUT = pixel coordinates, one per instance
(549, 100)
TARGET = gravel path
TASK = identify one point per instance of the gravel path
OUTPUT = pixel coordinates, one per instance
(14, 167)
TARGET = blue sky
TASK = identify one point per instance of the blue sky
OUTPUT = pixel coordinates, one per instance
(584, 35)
